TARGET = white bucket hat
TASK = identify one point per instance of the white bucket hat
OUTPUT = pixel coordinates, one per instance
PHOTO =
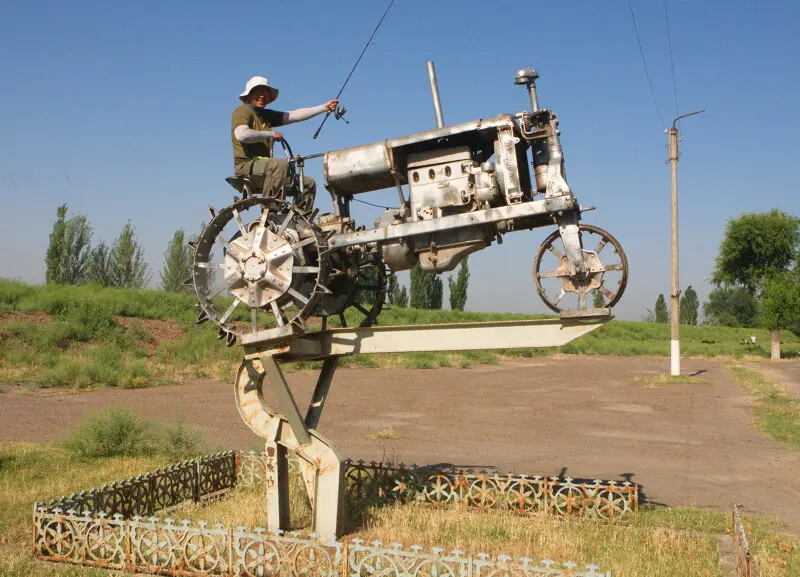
(258, 81)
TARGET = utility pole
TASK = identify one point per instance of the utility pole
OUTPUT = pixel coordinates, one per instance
(675, 316)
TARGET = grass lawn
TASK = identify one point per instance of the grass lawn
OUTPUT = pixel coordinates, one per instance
(70, 336)
(777, 412)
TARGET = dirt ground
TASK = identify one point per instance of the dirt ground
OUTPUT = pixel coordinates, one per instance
(584, 417)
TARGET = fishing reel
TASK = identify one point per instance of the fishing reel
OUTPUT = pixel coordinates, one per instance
(338, 114)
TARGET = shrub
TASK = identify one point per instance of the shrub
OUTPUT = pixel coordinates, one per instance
(116, 432)
(110, 432)
(177, 441)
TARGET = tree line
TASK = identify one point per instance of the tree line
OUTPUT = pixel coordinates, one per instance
(756, 278)
(71, 259)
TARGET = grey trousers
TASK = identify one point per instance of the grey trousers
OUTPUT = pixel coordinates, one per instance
(272, 176)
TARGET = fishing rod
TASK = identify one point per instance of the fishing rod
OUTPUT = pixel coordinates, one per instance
(339, 113)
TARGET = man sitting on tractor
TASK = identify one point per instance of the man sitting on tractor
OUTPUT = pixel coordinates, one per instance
(252, 135)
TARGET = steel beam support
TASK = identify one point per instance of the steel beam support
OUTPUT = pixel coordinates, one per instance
(321, 392)
(286, 403)
(538, 333)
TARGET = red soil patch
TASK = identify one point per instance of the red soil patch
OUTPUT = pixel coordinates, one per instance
(10, 317)
(160, 331)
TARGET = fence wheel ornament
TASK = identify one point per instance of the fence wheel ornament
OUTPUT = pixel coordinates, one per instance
(260, 559)
(312, 561)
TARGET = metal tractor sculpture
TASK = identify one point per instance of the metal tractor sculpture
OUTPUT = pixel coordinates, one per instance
(264, 267)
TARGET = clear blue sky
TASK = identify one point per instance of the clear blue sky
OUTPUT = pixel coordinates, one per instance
(122, 110)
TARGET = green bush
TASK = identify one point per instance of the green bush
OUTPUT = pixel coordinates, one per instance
(116, 432)
(110, 432)
(177, 441)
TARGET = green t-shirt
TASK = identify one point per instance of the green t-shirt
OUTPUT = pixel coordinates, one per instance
(256, 119)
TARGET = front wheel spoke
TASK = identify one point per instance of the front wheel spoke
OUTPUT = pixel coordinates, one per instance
(229, 312)
(555, 251)
(342, 320)
(554, 274)
(254, 319)
(560, 296)
(305, 269)
(603, 242)
(361, 309)
(608, 267)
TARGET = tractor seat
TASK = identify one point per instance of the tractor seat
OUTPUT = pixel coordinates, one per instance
(242, 184)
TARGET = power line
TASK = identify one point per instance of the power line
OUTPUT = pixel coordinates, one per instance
(647, 73)
(671, 61)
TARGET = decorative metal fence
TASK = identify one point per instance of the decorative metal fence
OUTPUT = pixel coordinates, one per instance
(479, 490)
(741, 547)
(483, 490)
(113, 527)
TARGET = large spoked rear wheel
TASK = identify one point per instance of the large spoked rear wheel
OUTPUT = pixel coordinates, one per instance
(260, 263)
(602, 285)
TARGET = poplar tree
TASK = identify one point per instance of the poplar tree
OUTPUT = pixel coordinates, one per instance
(128, 268)
(662, 315)
(420, 292)
(689, 306)
(68, 251)
(98, 267)
(458, 288)
(177, 264)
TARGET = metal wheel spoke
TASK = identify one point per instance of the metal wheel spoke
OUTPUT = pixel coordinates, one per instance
(276, 310)
(254, 319)
(219, 292)
(553, 274)
(229, 312)
(608, 294)
(361, 309)
(262, 228)
(342, 319)
(608, 267)
(298, 296)
(603, 242)
(239, 222)
(555, 251)
(560, 296)
(305, 269)
(303, 243)
(286, 220)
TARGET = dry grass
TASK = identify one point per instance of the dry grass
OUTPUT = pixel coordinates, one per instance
(662, 380)
(30, 473)
(660, 542)
(777, 411)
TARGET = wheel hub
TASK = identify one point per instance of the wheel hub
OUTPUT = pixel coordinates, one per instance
(264, 261)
